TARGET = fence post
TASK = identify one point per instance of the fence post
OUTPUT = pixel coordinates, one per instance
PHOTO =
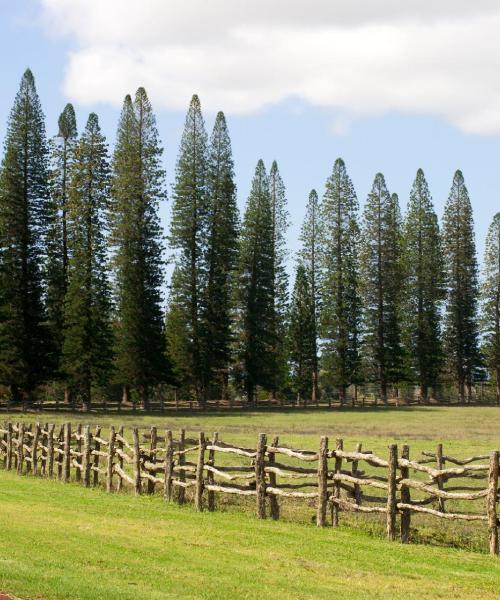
(322, 482)
(95, 462)
(492, 502)
(391, 492)
(181, 493)
(354, 471)
(60, 447)
(440, 482)
(120, 446)
(8, 461)
(67, 453)
(198, 498)
(339, 445)
(20, 448)
(44, 453)
(210, 475)
(405, 498)
(78, 448)
(152, 458)
(50, 449)
(260, 476)
(137, 462)
(34, 449)
(169, 458)
(111, 455)
(86, 456)
(275, 506)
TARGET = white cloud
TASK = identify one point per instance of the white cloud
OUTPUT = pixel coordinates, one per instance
(361, 58)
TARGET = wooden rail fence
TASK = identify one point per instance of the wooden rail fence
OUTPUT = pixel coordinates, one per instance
(334, 479)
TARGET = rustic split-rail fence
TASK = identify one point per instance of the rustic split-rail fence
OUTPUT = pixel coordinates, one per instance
(333, 479)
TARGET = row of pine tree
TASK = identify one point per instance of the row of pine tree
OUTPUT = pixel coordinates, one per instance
(376, 298)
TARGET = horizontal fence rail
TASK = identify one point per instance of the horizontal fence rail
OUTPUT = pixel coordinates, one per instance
(199, 468)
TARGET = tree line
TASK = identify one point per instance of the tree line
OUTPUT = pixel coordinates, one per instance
(377, 297)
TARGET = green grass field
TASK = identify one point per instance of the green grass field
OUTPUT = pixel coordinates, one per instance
(63, 541)
(66, 542)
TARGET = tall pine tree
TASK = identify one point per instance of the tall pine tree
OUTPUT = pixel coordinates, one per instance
(138, 187)
(459, 250)
(424, 286)
(254, 289)
(188, 238)
(221, 258)
(309, 256)
(280, 222)
(87, 345)
(61, 157)
(340, 312)
(381, 286)
(302, 336)
(490, 300)
(23, 227)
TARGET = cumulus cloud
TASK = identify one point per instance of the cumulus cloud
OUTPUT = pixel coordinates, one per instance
(359, 58)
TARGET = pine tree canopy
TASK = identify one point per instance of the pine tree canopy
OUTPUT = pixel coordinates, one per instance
(424, 286)
(381, 285)
(222, 247)
(87, 345)
(302, 336)
(24, 353)
(340, 305)
(309, 256)
(61, 156)
(490, 296)
(189, 229)
(138, 187)
(461, 278)
(280, 223)
(255, 290)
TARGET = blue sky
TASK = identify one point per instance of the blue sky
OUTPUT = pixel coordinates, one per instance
(393, 106)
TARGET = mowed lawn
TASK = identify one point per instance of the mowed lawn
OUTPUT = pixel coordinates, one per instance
(63, 541)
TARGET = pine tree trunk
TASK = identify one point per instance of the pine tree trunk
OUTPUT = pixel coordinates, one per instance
(67, 395)
(87, 398)
(342, 395)
(14, 391)
(315, 391)
(144, 397)
(498, 384)
(461, 391)
(250, 393)
(424, 392)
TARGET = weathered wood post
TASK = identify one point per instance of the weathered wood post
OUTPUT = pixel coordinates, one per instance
(169, 464)
(120, 446)
(50, 449)
(354, 471)
(97, 449)
(60, 454)
(405, 498)
(20, 448)
(44, 453)
(181, 492)
(492, 502)
(391, 492)
(274, 502)
(339, 445)
(34, 449)
(322, 482)
(200, 465)
(78, 448)
(67, 453)
(8, 459)
(440, 480)
(210, 475)
(260, 476)
(150, 488)
(111, 456)
(137, 462)
(86, 456)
